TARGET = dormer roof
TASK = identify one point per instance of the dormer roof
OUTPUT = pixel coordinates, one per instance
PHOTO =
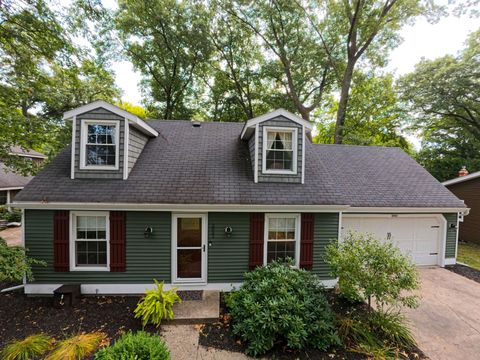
(133, 120)
(249, 126)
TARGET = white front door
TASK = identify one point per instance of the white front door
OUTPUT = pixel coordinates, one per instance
(416, 236)
(189, 234)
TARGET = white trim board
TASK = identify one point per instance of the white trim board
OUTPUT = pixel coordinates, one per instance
(135, 289)
(133, 119)
(462, 178)
(189, 208)
(11, 188)
(250, 124)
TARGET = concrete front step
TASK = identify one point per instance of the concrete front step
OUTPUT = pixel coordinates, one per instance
(198, 311)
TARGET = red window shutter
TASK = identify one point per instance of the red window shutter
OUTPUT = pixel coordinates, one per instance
(117, 240)
(306, 241)
(257, 226)
(61, 235)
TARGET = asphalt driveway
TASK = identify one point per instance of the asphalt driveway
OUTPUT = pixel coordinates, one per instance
(447, 323)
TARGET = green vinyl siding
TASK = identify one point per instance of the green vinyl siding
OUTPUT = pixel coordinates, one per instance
(146, 258)
(326, 230)
(451, 243)
(228, 256)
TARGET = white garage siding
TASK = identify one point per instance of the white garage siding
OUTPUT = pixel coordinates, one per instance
(422, 236)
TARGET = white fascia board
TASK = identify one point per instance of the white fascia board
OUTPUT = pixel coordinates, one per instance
(408, 210)
(179, 207)
(462, 179)
(12, 188)
(268, 116)
(28, 155)
(133, 119)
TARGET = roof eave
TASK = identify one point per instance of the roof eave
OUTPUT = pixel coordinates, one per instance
(133, 119)
(462, 179)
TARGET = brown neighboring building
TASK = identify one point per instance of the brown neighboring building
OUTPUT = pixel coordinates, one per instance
(467, 187)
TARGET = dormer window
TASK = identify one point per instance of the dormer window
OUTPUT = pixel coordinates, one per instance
(279, 150)
(99, 146)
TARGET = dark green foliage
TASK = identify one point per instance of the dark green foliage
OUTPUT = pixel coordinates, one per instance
(14, 263)
(12, 216)
(135, 346)
(281, 303)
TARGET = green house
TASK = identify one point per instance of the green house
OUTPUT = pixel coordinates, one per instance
(198, 204)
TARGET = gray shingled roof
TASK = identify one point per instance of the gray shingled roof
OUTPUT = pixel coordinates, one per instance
(9, 179)
(211, 165)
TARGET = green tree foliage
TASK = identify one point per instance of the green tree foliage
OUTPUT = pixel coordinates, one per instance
(15, 264)
(43, 74)
(277, 303)
(374, 115)
(444, 100)
(296, 60)
(369, 29)
(166, 40)
(368, 268)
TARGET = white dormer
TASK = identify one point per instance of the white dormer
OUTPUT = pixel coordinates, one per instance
(106, 140)
(276, 141)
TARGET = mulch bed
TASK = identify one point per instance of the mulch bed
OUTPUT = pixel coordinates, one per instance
(467, 271)
(21, 316)
(219, 335)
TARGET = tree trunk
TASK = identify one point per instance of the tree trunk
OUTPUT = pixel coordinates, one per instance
(342, 104)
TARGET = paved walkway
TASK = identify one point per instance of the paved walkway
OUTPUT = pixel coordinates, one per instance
(182, 340)
(447, 323)
(13, 236)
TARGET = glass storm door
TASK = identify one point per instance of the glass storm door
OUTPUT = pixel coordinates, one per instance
(189, 248)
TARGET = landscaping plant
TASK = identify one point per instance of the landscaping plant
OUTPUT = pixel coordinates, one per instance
(14, 263)
(278, 303)
(367, 268)
(32, 347)
(156, 305)
(77, 347)
(138, 346)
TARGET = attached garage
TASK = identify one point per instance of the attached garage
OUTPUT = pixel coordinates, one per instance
(420, 236)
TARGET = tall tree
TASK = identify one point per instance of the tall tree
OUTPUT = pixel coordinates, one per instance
(43, 74)
(374, 115)
(299, 63)
(237, 87)
(445, 91)
(369, 28)
(166, 40)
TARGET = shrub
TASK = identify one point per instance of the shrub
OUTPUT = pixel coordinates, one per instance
(138, 346)
(13, 216)
(14, 263)
(368, 268)
(280, 303)
(77, 347)
(156, 305)
(32, 347)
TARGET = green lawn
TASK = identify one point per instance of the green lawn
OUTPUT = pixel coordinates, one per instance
(469, 254)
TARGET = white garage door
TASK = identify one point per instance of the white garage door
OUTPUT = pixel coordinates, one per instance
(418, 237)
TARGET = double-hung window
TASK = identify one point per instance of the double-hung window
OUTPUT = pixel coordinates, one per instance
(282, 236)
(99, 146)
(89, 245)
(280, 150)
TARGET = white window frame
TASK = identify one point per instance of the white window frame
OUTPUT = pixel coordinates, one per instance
(294, 131)
(83, 144)
(297, 218)
(73, 238)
